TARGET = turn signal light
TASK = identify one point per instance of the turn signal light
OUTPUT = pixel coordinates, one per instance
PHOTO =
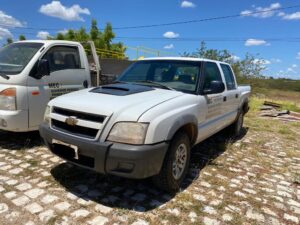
(9, 92)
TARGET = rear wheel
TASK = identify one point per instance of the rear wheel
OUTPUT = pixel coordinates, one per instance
(175, 165)
(237, 126)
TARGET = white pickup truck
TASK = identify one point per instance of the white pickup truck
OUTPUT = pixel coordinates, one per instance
(145, 124)
(32, 73)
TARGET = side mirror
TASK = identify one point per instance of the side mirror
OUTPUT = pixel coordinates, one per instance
(214, 88)
(43, 68)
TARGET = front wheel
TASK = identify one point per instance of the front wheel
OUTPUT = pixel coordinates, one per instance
(175, 165)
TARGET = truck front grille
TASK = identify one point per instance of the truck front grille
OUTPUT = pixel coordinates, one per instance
(80, 131)
(79, 115)
(86, 125)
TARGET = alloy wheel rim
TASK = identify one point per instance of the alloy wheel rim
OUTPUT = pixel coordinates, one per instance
(240, 122)
(179, 162)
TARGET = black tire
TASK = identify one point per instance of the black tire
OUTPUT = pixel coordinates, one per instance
(236, 127)
(165, 180)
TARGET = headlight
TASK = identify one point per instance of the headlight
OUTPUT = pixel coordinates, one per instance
(47, 115)
(128, 133)
(8, 99)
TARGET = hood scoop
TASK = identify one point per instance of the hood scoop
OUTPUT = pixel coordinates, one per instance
(121, 89)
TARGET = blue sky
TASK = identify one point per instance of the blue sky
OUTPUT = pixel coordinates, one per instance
(253, 34)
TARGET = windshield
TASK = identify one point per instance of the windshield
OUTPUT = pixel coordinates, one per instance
(174, 74)
(14, 57)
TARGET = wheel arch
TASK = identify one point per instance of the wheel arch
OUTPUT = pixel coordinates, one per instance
(187, 124)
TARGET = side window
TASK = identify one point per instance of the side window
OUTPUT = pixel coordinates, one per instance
(211, 73)
(230, 83)
(62, 58)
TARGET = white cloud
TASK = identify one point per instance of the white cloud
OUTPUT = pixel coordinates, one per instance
(262, 12)
(255, 42)
(262, 61)
(56, 9)
(294, 66)
(274, 60)
(266, 62)
(290, 70)
(43, 35)
(64, 31)
(171, 34)
(187, 4)
(9, 21)
(4, 33)
(170, 46)
(292, 16)
(298, 55)
(235, 58)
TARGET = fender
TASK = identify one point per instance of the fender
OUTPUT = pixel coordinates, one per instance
(180, 122)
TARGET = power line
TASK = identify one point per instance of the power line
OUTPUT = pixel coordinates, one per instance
(199, 39)
(206, 19)
(216, 39)
(168, 24)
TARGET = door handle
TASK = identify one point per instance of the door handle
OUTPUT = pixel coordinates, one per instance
(85, 84)
(224, 99)
(236, 95)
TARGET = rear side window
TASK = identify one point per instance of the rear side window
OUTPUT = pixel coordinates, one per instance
(62, 58)
(211, 73)
(230, 83)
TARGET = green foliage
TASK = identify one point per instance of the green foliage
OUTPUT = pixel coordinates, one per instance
(22, 37)
(260, 84)
(103, 39)
(9, 41)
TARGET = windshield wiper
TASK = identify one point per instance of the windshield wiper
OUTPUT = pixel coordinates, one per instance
(4, 76)
(154, 84)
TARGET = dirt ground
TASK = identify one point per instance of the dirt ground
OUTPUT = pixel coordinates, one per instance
(252, 180)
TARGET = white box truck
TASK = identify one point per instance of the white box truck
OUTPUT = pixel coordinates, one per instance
(34, 72)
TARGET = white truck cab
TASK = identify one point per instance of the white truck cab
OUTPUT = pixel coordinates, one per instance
(145, 124)
(34, 72)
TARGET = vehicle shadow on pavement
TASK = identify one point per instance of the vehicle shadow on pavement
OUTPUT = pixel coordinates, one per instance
(136, 195)
(19, 141)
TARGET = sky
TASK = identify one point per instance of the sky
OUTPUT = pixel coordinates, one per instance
(273, 36)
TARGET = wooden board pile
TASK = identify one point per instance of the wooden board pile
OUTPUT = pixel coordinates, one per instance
(273, 109)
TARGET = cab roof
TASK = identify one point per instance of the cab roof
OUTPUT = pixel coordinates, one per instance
(49, 42)
(183, 59)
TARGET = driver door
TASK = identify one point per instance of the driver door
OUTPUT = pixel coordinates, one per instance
(66, 75)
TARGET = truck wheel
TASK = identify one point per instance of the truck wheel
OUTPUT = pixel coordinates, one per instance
(175, 165)
(237, 126)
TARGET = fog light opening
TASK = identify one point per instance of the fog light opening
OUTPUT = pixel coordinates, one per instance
(3, 123)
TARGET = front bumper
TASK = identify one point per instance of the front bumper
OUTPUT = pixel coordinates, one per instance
(132, 161)
(14, 120)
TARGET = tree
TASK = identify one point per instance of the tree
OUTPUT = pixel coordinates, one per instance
(250, 66)
(9, 41)
(94, 32)
(70, 35)
(108, 35)
(103, 40)
(60, 36)
(22, 37)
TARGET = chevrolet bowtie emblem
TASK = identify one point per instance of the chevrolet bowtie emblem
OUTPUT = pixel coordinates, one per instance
(71, 121)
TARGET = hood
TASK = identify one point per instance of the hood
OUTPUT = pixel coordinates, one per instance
(127, 103)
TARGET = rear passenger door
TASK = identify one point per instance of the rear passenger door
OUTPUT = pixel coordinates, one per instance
(232, 94)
